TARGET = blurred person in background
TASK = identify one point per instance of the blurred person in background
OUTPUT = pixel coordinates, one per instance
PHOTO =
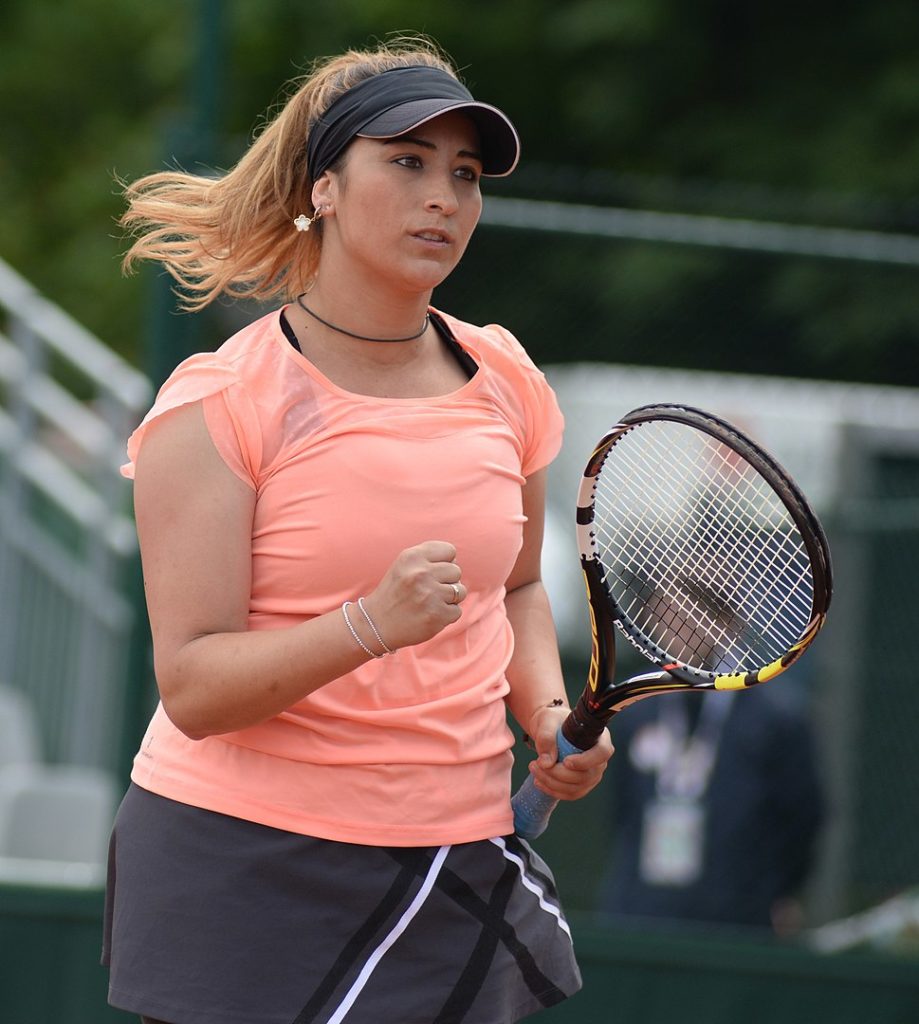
(340, 514)
(716, 801)
(716, 809)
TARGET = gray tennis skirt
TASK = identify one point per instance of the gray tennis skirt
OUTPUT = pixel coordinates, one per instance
(214, 920)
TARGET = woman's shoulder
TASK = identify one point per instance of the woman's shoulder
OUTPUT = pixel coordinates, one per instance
(245, 360)
(235, 371)
(492, 344)
(518, 386)
(243, 352)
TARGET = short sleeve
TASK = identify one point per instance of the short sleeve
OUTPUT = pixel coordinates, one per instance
(229, 413)
(543, 422)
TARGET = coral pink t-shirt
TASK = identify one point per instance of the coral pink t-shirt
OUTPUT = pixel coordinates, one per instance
(412, 749)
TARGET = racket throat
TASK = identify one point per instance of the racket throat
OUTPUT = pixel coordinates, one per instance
(593, 711)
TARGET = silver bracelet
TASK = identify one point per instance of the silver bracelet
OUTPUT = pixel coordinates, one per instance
(376, 632)
(353, 632)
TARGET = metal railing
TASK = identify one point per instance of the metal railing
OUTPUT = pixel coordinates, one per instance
(67, 541)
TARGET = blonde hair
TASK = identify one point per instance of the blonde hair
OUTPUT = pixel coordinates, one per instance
(233, 234)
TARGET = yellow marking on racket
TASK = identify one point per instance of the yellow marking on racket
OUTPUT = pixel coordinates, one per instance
(593, 673)
(733, 681)
(740, 681)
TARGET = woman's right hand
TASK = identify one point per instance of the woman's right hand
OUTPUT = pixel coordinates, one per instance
(418, 596)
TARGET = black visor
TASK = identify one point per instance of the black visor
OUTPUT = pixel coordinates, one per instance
(393, 102)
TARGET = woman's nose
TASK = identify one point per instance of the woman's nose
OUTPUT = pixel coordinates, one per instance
(442, 197)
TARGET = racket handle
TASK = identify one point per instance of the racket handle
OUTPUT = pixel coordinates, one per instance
(532, 808)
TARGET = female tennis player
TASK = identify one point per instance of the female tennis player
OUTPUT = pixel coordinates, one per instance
(340, 515)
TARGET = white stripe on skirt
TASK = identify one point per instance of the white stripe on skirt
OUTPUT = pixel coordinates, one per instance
(533, 886)
(398, 928)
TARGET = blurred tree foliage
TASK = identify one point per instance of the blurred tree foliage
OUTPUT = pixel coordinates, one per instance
(787, 111)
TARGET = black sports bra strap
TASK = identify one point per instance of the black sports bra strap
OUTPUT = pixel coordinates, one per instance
(469, 365)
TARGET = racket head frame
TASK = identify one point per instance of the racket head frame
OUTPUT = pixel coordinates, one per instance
(602, 696)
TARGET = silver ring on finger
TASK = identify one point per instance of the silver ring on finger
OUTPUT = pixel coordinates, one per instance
(456, 594)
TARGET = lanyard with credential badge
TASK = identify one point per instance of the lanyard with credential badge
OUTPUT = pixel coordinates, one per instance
(686, 773)
(673, 831)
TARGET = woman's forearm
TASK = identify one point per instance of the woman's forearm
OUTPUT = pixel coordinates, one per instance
(536, 681)
(220, 682)
(535, 670)
(215, 680)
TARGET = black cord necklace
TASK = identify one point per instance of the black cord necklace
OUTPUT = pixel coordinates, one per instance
(360, 337)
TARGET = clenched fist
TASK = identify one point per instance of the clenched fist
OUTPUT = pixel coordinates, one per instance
(420, 594)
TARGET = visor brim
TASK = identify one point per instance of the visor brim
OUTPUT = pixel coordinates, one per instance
(497, 135)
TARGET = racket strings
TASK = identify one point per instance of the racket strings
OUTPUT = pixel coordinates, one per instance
(698, 551)
(726, 585)
(787, 567)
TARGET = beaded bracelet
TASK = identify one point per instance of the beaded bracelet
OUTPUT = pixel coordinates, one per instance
(370, 623)
(356, 635)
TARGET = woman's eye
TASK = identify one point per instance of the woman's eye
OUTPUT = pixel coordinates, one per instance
(409, 161)
(468, 173)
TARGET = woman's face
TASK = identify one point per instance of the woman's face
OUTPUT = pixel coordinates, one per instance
(404, 209)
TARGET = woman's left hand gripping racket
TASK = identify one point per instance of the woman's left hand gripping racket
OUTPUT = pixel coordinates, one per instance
(703, 552)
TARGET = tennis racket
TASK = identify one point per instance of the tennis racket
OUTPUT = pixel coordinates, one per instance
(702, 551)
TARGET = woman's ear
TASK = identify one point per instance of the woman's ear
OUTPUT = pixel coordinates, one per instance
(323, 193)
